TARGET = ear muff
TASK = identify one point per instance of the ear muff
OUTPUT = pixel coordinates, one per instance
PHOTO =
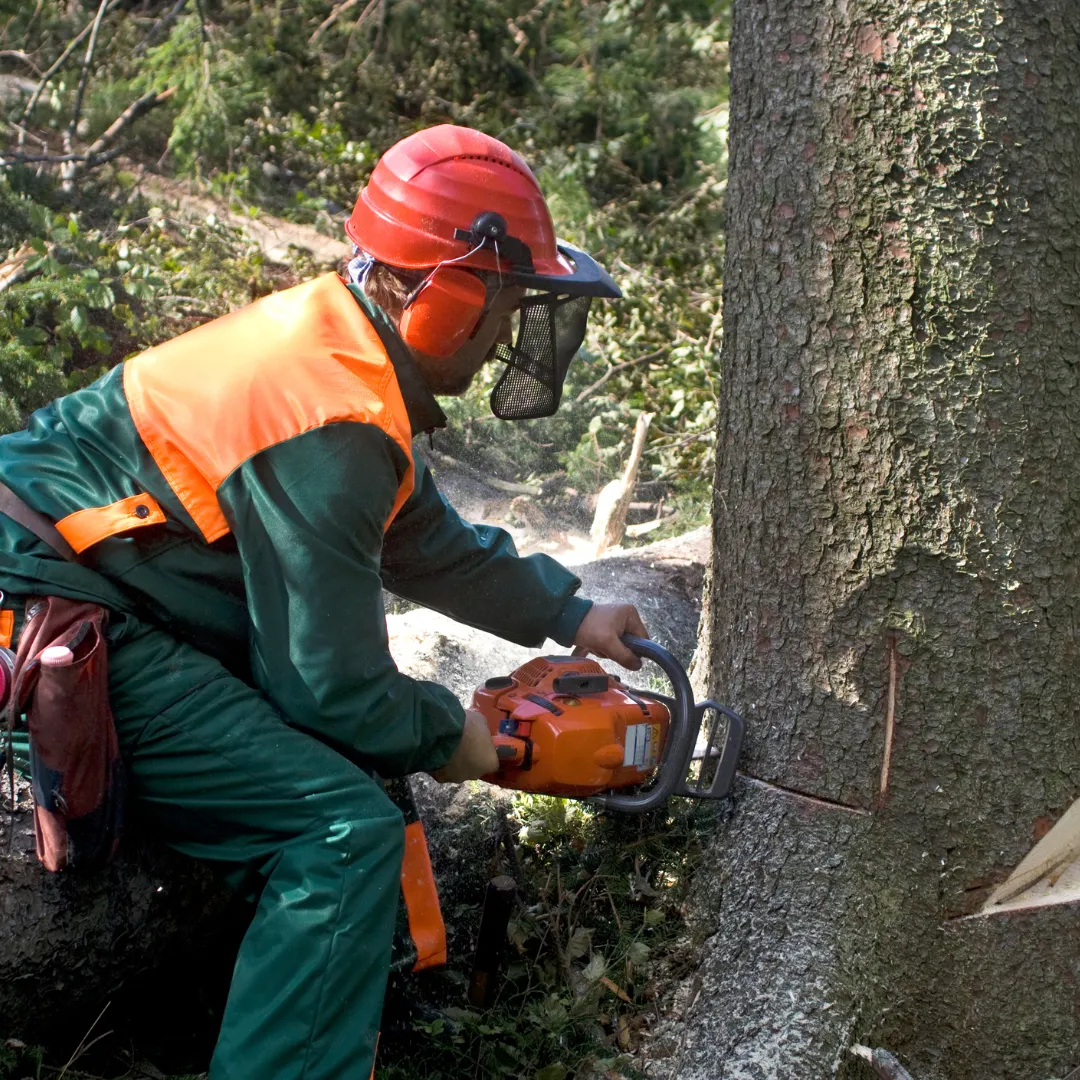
(443, 313)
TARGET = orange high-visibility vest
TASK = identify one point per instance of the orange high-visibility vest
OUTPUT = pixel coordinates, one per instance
(210, 399)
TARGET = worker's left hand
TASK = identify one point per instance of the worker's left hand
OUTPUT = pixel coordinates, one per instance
(601, 629)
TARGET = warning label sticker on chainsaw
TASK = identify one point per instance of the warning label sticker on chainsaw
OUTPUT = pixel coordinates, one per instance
(642, 746)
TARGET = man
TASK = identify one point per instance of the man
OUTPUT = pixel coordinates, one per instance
(239, 497)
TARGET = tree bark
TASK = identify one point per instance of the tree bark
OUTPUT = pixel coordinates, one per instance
(893, 602)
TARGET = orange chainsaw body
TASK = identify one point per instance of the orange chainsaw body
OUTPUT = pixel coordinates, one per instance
(564, 726)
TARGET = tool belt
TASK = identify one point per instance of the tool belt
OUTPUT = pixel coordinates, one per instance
(59, 679)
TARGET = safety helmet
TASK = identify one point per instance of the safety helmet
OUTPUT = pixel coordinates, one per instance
(449, 200)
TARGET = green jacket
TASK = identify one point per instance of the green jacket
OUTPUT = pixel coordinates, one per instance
(289, 598)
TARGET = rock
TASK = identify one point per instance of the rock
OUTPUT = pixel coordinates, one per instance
(13, 88)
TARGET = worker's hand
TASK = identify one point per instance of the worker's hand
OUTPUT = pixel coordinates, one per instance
(475, 755)
(601, 629)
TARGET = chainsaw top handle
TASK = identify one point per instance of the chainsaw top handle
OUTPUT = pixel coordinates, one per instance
(681, 734)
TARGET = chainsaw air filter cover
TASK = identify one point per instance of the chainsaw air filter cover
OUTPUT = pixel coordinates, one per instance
(564, 726)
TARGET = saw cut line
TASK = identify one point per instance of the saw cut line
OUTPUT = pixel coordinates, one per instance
(816, 800)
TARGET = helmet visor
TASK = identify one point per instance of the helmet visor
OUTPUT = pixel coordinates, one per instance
(550, 331)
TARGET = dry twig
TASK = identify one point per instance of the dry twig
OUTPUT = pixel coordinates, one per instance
(18, 54)
(102, 149)
(24, 133)
(336, 14)
(83, 1044)
(84, 75)
(614, 370)
(163, 24)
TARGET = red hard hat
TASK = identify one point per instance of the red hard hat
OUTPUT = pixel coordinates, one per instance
(436, 182)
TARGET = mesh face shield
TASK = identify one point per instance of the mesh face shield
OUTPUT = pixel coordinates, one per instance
(551, 329)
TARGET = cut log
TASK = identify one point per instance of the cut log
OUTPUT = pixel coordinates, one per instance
(68, 941)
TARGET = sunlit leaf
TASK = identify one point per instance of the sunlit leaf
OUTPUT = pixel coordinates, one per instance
(596, 968)
(79, 319)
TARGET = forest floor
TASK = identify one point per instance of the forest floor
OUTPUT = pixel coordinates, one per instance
(274, 235)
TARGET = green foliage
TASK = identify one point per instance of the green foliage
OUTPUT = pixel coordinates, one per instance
(95, 293)
(213, 86)
(17, 1060)
(619, 106)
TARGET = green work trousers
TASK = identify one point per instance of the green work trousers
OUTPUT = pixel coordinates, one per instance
(215, 772)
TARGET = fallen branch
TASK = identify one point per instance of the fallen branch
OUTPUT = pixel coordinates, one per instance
(337, 13)
(84, 75)
(101, 149)
(127, 118)
(18, 54)
(37, 159)
(23, 133)
(614, 370)
(643, 528)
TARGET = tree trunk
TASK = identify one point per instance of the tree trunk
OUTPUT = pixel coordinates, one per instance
(894, 593)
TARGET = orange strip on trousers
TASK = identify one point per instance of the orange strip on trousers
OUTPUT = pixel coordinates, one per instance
(422, 900)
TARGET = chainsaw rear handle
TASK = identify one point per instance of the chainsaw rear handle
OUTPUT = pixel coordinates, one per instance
(671, 769)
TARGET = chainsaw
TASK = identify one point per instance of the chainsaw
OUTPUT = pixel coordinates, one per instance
(564, 726)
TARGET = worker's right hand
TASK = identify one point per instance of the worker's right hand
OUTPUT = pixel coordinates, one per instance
(475, 755)
(600, 633)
